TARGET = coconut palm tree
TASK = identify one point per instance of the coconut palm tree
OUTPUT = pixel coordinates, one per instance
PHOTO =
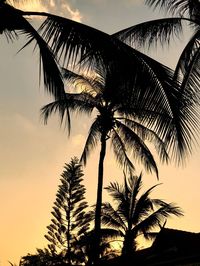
(74, 42)
(123, 125)
(135, 213)
(77, 43)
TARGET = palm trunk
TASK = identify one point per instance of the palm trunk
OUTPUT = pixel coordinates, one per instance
(128, 245)
(97, 228)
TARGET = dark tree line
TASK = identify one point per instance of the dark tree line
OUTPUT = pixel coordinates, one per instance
(71, 231)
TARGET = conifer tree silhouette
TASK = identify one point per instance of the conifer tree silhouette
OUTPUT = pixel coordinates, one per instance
(71, 219)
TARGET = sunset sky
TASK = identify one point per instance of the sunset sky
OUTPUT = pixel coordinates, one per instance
(33, 154)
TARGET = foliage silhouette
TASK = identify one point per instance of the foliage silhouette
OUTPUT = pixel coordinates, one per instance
(123, 125)
(13, 22)
(42, 258)
(72, 41)
(135, 214)
(71, 219)
(161, 104)
(162, 30)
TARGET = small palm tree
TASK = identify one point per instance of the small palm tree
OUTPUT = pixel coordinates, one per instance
(135, 214)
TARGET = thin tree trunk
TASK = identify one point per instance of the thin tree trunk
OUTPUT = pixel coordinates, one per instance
(97, 228)
(68, 230)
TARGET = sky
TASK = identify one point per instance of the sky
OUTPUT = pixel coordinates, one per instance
(33, 154)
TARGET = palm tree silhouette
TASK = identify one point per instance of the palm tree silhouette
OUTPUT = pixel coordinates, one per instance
(145, 89)
(125, 126)
(76, 43)
(135, 213)
(73, 42)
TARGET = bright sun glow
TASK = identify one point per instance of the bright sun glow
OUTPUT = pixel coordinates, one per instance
(33, 5)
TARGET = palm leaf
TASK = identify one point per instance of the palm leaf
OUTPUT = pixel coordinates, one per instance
(143, 206)
(112, 218)
(111, 233)
(137, 146)
(71, 39)
(92, 83)
(116, 191)
(147, 134)
(149, 33)
(135, 184)
(121, 195)
(124, 65)
(187, 55)
(91, 142)
(12, 20)
(80, 102)
(158, 217)
(120, 151)
(180, 7)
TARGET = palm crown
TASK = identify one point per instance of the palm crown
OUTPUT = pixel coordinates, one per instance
(135, 213)
(121, 124)
(148, 84)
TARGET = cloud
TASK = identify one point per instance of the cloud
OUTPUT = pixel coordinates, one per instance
(34, 5)
(74, 14)
(62, 9)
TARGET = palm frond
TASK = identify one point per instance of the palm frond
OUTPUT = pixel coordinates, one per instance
(158, 217)
(80, 102)
(180, 7)
(112, 218)
(159, 94)
(148, 134)
(183, 127)
(124, 65)
(117, 192)
(187, 54)
(190, 70)
(111, 233)
(137, 146)
(135, 184)
(92, 83)
(91, 142)
(12, 20)
(120, 151)
(143, 206)
(72, 40)
(148, 34)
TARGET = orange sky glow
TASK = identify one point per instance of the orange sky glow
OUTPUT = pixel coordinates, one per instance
(33, 155)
